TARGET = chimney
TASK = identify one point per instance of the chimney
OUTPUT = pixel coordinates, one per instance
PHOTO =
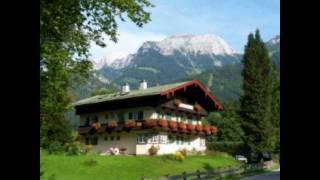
(125, 88)
(143, 85)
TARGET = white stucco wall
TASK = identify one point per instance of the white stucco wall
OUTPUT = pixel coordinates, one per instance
(127, 140)
(170, 148)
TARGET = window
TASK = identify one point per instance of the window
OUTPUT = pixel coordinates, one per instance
(107, 117)
(87, 123)
(111, 138)
(94, 140)
(91, 140)
(121, 116)
(168, 116)
(159, 115)
(95, 119)
(163, 139)
(202, 142)
(140, 115)
(133, 115)
(141, 139)
(177, 140)
(171, 139)
(87, 140)
(106, 138)
(182, 140)
(130, 115)
(118, 138)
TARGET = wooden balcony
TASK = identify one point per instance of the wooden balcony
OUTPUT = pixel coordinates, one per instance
(156, 124)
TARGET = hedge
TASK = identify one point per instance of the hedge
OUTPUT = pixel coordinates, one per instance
(226, 146)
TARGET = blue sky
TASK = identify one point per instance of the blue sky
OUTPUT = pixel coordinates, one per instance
(233, 20)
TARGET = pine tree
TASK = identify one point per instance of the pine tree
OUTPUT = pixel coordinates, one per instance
(256, 99)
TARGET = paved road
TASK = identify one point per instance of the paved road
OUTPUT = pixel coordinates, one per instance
(275, 175)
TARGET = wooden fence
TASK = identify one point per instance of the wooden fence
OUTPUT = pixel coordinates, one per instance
(212, 173)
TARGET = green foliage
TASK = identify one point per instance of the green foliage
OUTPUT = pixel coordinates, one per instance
(54, 133)
(256, 100)
(66, 30)
(55, 147)
(183, 152)
(231, 147)
(77, 148)
(228, 122)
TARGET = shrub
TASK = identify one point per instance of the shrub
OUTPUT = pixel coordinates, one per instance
(227, 146)
(183, 152)
(55, 147)
(77, 148)
(179, 156)
(153, 150)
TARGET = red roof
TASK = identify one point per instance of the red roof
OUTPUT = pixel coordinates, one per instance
(217, 105)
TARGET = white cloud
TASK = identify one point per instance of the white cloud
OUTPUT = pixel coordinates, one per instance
(128, 42)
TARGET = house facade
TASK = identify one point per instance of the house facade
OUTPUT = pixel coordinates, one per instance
(168, 117)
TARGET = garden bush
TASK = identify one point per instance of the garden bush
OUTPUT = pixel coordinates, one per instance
(55, 147)
(179, 156)
(153, 150)
(77, 148)
(230, 147)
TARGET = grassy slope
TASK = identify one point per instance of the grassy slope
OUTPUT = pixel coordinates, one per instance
(126, 167)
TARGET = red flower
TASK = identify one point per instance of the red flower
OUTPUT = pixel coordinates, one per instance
(150, 123)
(129, 124)
(172, 125)
(198, 128)
(163, 123)
(213, 129)
(182, 125)
(190, 127)
(206, 129)
(112, 124)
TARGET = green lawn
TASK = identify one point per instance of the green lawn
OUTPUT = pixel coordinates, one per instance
(125, 167)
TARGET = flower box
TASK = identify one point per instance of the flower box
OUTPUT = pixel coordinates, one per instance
(96, 125)
(213, 129)
(112, 124)
(182, 125)
(129, 124)
(190, 127)
(150, 123)
(172, 125)
(198, 128)
(206, 129)
(163, 123)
